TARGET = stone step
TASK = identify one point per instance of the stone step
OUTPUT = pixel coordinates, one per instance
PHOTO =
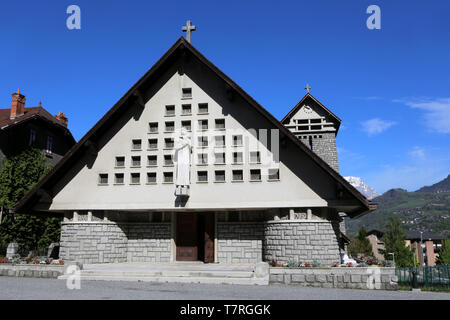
(172, 273)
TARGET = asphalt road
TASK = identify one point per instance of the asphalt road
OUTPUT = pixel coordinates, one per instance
(14, 288)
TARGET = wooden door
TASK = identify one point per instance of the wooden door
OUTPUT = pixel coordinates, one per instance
(209, 237)
(186, 241)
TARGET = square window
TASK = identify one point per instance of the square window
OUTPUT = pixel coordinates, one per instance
(316, 127)
(316, 120)
(237, 140)
(169, 143)
(238, 175)
(220, 124)
(168, 160)
(136, 161)
(168, 177)
(186, 93)
(120, 162)
(153, 127)
(153, 143)
(219, 157)
(202, 176)
(220, 141)
(151, 177)
(170, 126)
(118, 178)
(274, 174)
(255, 174)
(303, 128)
(152, 160)
(203, 124)
(186, 109)
(103, 178)
(203, 141)
(255, 157)
(202, 108)
(170, 110)
(186, 124)
(135, 178)
(137, 144)
(237, 157)
(302, 121)
(220, 175)
(202, 158)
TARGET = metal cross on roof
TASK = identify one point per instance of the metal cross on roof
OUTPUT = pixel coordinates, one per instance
(188, 28)
(307, 88)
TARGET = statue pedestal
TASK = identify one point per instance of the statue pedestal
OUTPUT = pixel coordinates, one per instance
(182, 191)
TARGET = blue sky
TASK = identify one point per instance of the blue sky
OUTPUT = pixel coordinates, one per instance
(390, 86)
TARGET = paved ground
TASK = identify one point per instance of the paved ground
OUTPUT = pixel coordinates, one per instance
(33, 288)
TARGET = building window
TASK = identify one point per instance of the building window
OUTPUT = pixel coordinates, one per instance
(202, 158)
(137, 144)
(118, 178)
(220, 176)
(316, 120)
(202, 108)
(151, 177)
(136, 161)
(303, 128)
(220, 141)
(255, 157)
(152, 160)
(238, 175)
(186, 93)
(153, 143)
(120, 162)
(32, 137)
(135, 178)
(237, 157)
(274, 174)
(186, 110)
(316, 127)
(186, 125)
(303, 121)
(220, 124)
(255, 175)
(169, 143)
(203, 141)
(237, 140)
(153, 127)
(203, 124)
(202, 176)
(168, 177)
(168, 160)
(219, 158)
(170, 126)
(49, 146)
(170, 111)
(103, 178)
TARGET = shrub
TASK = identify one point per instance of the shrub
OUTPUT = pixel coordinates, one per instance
(292, 264)
(315, 264)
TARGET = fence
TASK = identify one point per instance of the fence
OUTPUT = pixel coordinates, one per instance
(436, 276)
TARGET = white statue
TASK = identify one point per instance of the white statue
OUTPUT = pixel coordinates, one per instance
(182, 160)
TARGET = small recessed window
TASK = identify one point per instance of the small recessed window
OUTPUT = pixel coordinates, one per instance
(320, 137)
(255, 174)
(186, 93)
(237, 157)
(220, 124)
(202, 158)
(152, 160)
(49, 146)
(118, 178)
(32, 137)
(153, 143)
(238, 175)
(220, 175)
(316, 127)
(237, 140)
(137, 144)
(274, 174)
(135, 178)
(103, 178)
(136, 161)
(203, 124)
(255, 157)
(202, 108)
(219, 157)
(153, 127)
(186, 109)
(170, 126)
(151, 177)
(168, 160)
(303, 128)
(220, 141)
(120, 162)
(168, 143)
(186, 124)
(316, 120)
(168, 177)
(203, 141)
(303, 121)
(202, 176)
(170, 110)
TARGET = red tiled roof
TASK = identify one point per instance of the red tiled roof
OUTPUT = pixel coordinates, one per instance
(5, 120)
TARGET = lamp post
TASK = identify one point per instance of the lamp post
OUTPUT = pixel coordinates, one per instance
(421, 251)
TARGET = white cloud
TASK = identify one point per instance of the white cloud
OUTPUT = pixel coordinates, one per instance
(417, 153)
(376, 125)
(437, 112)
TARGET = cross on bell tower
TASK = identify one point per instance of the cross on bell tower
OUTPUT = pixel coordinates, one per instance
(188, 28)
(307, 88)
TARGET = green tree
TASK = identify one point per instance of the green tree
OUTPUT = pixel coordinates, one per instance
(444, 253)
(360, 245)
(394, 242)
(17, 176)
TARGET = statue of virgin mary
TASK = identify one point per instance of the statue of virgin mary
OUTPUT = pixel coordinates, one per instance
(182, 159)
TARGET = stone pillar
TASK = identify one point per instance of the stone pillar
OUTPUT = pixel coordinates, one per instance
(75, 216)
(12, 250)
(291, 214)
(89, 216)
(308, 214)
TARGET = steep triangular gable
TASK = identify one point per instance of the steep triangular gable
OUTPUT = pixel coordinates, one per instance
(136, 98)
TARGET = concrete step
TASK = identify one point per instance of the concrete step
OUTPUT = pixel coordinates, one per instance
(174, 273)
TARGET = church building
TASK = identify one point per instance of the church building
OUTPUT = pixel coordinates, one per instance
(186, 166)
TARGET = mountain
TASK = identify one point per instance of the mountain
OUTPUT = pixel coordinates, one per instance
(443, 186)
(362, 187)
(419, 210)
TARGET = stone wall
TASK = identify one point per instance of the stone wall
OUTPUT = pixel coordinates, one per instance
(239, 242)
(325, 147)
(35, 271)
(373, 278)
(304, 241)
(148, 242)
